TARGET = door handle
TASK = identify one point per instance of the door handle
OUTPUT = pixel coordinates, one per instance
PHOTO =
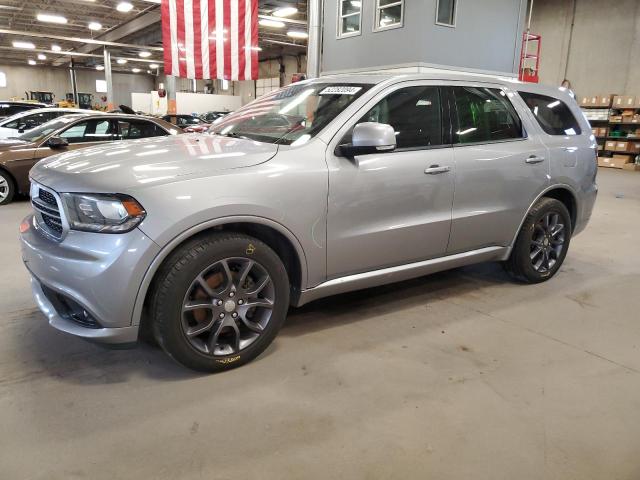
(534, 159)
(436, 169)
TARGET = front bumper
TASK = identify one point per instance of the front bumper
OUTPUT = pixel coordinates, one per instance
(99, 273)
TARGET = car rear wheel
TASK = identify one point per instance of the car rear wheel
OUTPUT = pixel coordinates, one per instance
(542, 243)
(7, 188)
(219, 301)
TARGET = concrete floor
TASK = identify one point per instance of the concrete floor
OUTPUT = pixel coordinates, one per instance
(459, 375)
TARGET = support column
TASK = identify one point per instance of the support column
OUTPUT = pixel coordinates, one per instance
(108, 79)
(74, 83)
(170, 87)
(314, 45)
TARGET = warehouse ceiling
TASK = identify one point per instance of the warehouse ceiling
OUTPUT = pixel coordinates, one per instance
(54, 31)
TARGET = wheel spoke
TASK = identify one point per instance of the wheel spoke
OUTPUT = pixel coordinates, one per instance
(205, 286)
(259, 302)
(251, 325)
(245, 271)
(559, 227)
(535, 253)
(259, 286)
(228, 274)
(214, 338)
(199, 329)
(196, 305)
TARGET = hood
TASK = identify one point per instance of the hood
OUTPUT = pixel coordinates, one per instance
(125, 165)
(11, 143)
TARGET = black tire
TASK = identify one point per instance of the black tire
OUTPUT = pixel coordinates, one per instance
(7, 188)
(177, 276)
(520, 264)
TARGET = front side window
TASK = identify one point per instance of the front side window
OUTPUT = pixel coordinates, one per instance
(89, 131)
(552, 115)
(485, 115)
(349, 18)
(290, 115)
(414, 113)
(389, 14)
(446, 13)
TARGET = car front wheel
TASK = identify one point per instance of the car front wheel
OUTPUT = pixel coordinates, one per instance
(219, 301)
(7, 188)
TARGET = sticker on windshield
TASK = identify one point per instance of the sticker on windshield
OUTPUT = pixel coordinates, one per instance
(340, 90)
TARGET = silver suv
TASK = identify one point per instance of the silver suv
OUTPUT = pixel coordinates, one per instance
(325, 186)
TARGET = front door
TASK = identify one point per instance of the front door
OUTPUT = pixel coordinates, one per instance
(388, 209)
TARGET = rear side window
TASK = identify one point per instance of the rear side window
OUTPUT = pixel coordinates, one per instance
(485, 115)
(553, 115)
(139, 129)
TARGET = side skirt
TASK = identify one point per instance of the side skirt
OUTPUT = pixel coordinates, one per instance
(383, 276)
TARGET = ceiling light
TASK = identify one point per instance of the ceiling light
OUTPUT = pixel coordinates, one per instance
(271, 23)
(31, 62)
(46, 17)
(153, 65)
(154, 1)
(42, 56)
(144, 54)
(124, 7)
(56, 48)
(285, 12)
(99, 67)
(121, 61)
(256, 49)
(135, 70)
(297, 34)
(95, 26)
(23, 45)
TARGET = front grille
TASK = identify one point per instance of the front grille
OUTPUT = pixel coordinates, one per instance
(47, 208)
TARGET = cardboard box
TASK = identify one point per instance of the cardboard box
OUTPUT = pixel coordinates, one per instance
(615, 119)
(603, 131)
(633, 147)
(595, 131)
(621, 146)
(632, 166)
(594, 101)
(584, 101)
(610, 145)
(618, 101)
(627, 113)
(605, 100)
(617, 161)
(629, 101)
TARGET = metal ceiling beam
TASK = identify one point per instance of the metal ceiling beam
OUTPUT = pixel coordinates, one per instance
(74, 54)
(91, 41)
(277, 42)
(283, 19)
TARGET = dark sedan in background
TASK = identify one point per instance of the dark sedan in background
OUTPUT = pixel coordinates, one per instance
(18, 155)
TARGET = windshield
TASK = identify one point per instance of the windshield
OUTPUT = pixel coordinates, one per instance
(291, 114)
(39, 133)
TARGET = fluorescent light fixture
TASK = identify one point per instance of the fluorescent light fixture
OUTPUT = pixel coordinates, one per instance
(135, 70)
(121, 61)
(99, 67)
(285, 12)
(154, 1)
(95, 26)
(153, 65)
(256, 49)
(271, 23)
(144, 54)
(49, 18)
(297, 34)
(124, 7)
(56, 48)
(18, 44)
(42, 56)
(31, 62)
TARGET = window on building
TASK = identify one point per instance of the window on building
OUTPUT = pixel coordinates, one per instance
(553, 115)
(446, 12)
(349, 18)
(485, 115)
(389, 14)
(101, 86)
(415, 115)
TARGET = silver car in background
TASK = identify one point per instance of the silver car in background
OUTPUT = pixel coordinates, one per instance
(322, 187)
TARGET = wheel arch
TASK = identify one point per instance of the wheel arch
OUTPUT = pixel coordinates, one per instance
(275, 235)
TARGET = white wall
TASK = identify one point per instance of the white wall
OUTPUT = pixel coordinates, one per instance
(58, 81)
(187, 103)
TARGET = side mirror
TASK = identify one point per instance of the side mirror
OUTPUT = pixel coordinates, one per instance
(367, 138)
(57, 142)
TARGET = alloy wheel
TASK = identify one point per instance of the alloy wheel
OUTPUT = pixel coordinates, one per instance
(4, 188)
(228, 306)
(547, 242)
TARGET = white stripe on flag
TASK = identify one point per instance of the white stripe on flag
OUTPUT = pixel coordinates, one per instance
(220, 34)
(204, 37)
(247, 41)
(188, 38)
(173, 24)
(234, 41)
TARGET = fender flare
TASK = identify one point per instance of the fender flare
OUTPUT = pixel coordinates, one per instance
(143, 288)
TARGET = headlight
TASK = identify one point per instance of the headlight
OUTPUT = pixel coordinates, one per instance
(102, 213)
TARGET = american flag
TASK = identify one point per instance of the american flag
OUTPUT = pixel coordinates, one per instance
(208, 39)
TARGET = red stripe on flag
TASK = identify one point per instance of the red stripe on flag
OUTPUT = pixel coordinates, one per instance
(227, 38)
(254, 39)
(166, 35)
(213, 64)
(197, 38)
(182, 51)
(241, 43)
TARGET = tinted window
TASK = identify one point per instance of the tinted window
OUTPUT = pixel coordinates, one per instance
(415, 115)
(89, 131)
(32, 120)
(553, 115)
(6, 110)
(130, 129)
(485, 115)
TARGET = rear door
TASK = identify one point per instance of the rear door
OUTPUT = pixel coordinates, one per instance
(501, 166)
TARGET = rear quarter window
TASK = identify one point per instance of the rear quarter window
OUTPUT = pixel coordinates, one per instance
(553, 115)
